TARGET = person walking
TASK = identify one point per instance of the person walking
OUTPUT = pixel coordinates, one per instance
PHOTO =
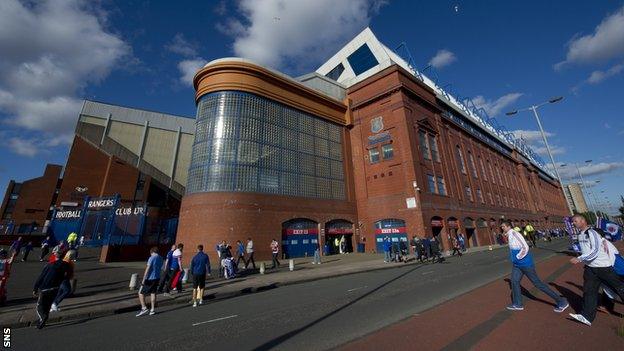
(435, 250)
(65, 288)
(149, 283)
(456, 247)
(47, 285)
(166, 278)
(598, 270)
(522, 264)
(387, 246)
(5, 273)
(27, 249)
(462, 241)
(317, 253)
(177, 265)
(426, 248)
(16, 247)
(250, 253)
(45, 248)
(240, 253)
(275, 253)
(72, 239)
(200, 266)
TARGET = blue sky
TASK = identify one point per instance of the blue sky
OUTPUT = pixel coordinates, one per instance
(502, 54)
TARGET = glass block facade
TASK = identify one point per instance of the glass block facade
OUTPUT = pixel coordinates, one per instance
(247, 143)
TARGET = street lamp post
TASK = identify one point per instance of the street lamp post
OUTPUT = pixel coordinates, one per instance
(539, 123)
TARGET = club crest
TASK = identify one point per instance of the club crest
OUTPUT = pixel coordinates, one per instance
(377, 124)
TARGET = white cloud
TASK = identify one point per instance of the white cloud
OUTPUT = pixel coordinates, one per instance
(598, 76)
(295, 34)
(493, 108)
(570, 171)
(533, 139)
(32, 146)
(51, 50)
(442, 58)
(602, 45)
(179, 45)
(22, 147)
(188, 68)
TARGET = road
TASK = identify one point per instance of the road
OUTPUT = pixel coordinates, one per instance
(319, 315)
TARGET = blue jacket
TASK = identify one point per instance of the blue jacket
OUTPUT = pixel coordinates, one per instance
(387, 245)
(526, 261)
(200, 264)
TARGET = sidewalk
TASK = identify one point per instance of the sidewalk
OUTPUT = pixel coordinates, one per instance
(103, 288)
(478, 320)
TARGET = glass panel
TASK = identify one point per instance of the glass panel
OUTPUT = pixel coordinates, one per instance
(434, 148)
(441, 186)
(387, 151)
(335, 72)
(432, 184)
(374, 155)
(362, 59)
(424, 146)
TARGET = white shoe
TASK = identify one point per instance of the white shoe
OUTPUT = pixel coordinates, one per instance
(580, 318)
(152, 312)
(54, 308)
(142, 312)
(201, 302)
(195, 304)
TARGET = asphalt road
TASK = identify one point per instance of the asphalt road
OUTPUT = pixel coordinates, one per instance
(318, 315)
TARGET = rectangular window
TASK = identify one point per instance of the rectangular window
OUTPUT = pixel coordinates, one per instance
(460, 160)
(424, 145)
(469, 193)
(374, 155)
(473, 169)
(362, 59)
(435, 155)
(480, 196)
(441, 186)
(387, 151)
(483, 169)
(432, 184)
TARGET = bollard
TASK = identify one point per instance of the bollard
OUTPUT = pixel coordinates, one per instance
(490, 247)
(262, 267)
(133, 281)
(185, 276)
(291, 265)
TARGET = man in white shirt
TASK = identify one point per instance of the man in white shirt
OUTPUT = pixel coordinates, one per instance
(598, 269)
(250, 253)
(522, 264)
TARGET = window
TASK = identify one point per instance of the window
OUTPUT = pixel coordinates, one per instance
(432, 184)
(374, 155)
(424, 145)
(483, 169)
(460, 160)
(469, 193)
(441, 186)
(362, 59)
(434, 148)
(248, 143)
(473, 169)
(480, 196)
(387, 151)
(335, 72)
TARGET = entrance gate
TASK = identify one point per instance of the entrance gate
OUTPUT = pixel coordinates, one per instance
(394, 229)
(299, 238)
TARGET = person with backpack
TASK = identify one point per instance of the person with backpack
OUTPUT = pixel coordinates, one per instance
(598, 270)
(149, 283)
(200, 266)
(176, 271)
(522, 264)
(47, 286)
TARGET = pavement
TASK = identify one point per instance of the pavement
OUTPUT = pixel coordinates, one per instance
(331, 313)
(102, 289)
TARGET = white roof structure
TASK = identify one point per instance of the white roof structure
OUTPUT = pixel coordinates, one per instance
(354, 63)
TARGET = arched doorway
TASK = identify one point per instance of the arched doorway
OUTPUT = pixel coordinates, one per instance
(299, 237)
(485, 236)
(437, 223)
(338, 231)
(392, 228)
(453, 226)
(469, 226)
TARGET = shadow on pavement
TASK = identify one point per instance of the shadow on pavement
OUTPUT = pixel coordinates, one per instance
(279, 340)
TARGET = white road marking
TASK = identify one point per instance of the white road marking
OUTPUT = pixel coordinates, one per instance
(354, 289)
(429, 272)
(215, 320)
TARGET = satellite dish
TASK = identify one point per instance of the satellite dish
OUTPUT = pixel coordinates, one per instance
(81, 189)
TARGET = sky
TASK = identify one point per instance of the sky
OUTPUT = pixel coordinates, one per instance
(504, 55)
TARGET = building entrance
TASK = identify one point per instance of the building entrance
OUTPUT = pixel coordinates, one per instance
(338, 237)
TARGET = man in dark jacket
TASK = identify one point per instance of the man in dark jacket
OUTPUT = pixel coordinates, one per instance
(47, 286)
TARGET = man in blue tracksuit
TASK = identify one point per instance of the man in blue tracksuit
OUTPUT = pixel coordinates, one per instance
(522, 261)
(387, 245)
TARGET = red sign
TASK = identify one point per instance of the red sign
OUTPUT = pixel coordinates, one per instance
(339, 231)
(311, 231)
(399, 230)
